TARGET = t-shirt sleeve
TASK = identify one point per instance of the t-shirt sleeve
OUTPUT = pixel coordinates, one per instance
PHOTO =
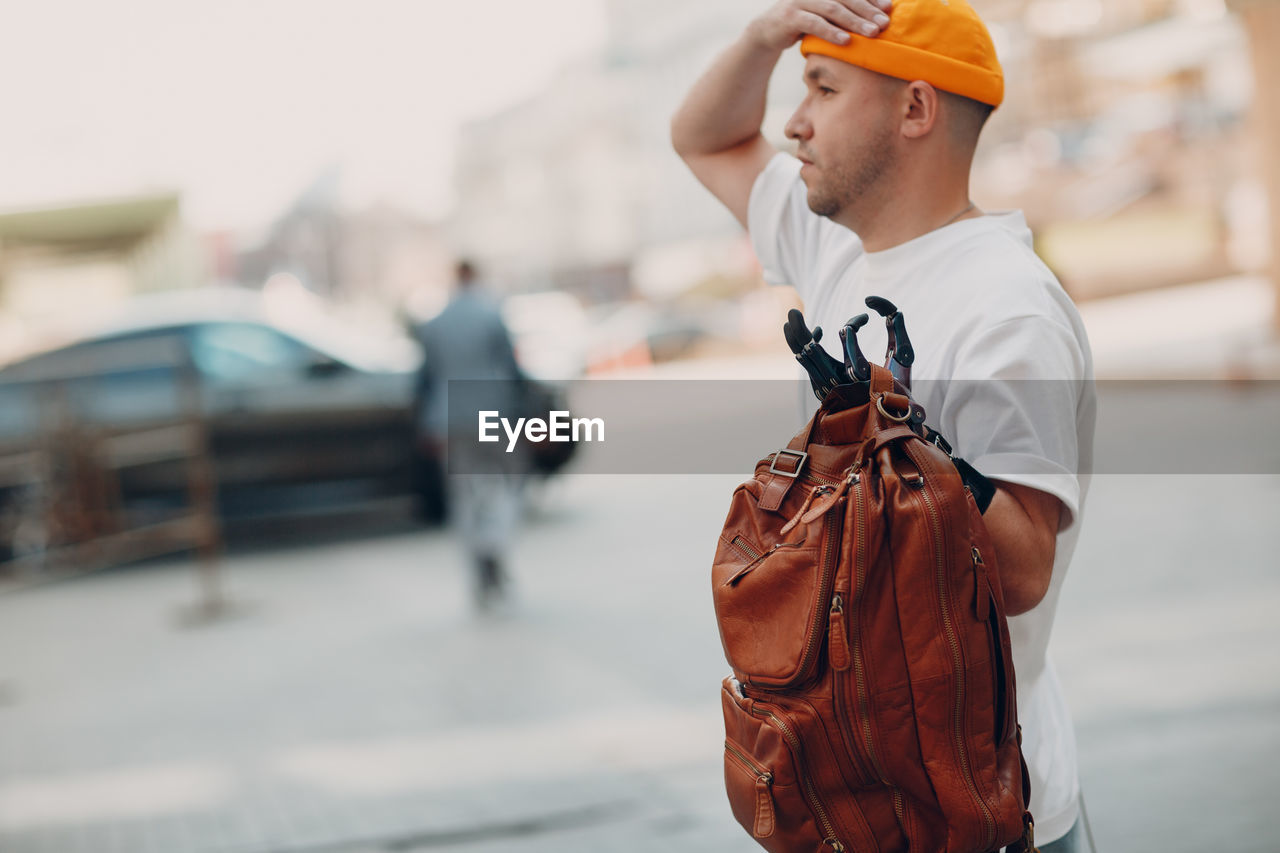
(784, 231)
(1012, 411)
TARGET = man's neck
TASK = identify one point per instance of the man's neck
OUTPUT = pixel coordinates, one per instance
(904, 216)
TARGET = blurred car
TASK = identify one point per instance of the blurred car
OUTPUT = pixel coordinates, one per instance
(663, 333)
(301, 416)
(550, 332)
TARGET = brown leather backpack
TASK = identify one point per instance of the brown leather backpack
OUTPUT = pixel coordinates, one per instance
(872, 705)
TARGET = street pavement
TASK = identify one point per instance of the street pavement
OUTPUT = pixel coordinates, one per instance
(350, 700)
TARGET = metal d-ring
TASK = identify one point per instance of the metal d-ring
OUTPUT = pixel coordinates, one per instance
(903, 418)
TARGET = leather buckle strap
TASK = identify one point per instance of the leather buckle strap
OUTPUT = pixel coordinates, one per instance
(781, 475)
(800, 456)
(781, 478)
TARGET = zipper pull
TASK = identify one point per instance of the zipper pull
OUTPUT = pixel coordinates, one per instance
(982, 586)
(821, 507)
(798, 517)
(764, 806)
(839, 638)
(750, 567)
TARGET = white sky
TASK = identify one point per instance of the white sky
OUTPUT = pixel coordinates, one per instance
(239, 104)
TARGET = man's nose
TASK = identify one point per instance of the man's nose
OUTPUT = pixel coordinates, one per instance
(798, 127)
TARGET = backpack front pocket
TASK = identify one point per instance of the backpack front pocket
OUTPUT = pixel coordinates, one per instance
(761, 780)
(750, 789)
(772, 600)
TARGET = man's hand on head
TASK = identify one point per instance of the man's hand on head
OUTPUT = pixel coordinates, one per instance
(790, 20)
(716, 131)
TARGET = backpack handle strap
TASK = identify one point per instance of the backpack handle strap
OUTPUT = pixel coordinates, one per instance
(881, 381)
(882, 438)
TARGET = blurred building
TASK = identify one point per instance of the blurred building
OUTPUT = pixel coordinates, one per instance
(1124, 136)
(61, 264)
(1262, 20)
(570, 188)
(348, 253)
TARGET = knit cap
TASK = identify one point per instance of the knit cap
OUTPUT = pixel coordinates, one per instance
(942, 42)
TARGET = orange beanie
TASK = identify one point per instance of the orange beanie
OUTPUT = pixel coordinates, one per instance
(942, 42)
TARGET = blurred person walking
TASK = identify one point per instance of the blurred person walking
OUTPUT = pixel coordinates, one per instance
(876, 201)
(468, 340)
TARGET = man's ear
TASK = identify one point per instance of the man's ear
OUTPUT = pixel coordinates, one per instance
(920, 112)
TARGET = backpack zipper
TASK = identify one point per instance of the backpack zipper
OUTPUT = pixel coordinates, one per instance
(806, 783)
(865, 773)
(851, 636)
(859, 665)
(742, 545)
(765, 816)
(751, 566)
(756, 770)
(944, 598)
(904, 816)
(831, 550)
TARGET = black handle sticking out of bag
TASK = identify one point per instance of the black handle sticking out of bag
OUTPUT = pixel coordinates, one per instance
(826, 373)
(900, 355)
(855, 363)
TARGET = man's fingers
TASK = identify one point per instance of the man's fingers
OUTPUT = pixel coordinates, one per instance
(832, 20)
(870, 11)
(819, 26)
(881, 5)
(855, 16)
(841, 15)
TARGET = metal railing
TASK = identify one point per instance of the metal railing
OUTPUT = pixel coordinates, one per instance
(72, 440)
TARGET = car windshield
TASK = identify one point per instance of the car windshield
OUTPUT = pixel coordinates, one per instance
(232, 352)
(384, 350)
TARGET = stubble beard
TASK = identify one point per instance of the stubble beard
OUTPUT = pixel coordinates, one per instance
(844, 186)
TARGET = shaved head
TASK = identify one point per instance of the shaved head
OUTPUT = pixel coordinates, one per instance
(965, 118)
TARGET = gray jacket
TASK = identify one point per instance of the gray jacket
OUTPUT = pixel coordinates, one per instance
(470, 341)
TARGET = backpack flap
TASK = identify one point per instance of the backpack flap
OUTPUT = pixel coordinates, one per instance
(772, 592)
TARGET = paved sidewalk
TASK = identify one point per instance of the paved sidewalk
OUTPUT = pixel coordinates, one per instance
(353, 703)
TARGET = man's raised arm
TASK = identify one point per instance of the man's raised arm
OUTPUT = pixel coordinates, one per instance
(716, 131)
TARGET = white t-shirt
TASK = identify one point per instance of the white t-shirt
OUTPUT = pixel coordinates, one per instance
(978, 305)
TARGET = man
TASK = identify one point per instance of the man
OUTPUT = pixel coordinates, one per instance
(876, 201)
(470, 341)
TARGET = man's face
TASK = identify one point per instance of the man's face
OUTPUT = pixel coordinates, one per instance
(846, 135)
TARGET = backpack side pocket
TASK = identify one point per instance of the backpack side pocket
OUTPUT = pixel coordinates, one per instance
(761, 780)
